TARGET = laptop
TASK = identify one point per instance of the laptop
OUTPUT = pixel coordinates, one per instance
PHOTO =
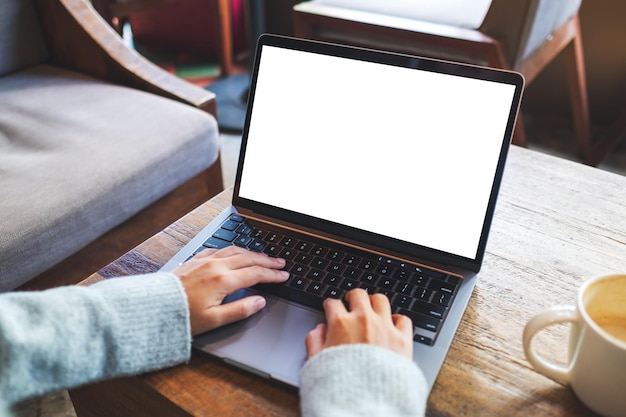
(362, 169)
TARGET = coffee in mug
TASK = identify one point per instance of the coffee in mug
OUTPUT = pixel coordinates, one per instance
(613, 325)
(596, 368)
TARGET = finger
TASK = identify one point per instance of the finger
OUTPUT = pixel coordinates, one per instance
(247, 258)
(380, 304)
(205, 253)
(333, 308)
(230, 312)
(403, 324)
(315, 340)
(247, 277)
(358, 300)
(230, 251)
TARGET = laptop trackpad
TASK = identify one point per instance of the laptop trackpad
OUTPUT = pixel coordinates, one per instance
(270, 343)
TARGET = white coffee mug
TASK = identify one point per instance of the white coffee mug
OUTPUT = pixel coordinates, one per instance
(596, 368)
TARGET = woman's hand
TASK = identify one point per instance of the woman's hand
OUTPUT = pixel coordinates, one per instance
(213, 274)
(368, 320)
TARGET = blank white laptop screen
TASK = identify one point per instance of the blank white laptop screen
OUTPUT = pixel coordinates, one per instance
(371, 145)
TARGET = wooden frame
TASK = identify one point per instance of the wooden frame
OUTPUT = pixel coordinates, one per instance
(82, 41)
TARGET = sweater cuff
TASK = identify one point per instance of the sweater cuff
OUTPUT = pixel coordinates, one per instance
(361, 380)
(152, 329)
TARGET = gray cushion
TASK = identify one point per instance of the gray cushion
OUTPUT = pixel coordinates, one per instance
(79, 156)
(549, 16)
(21, 38)
(458, 13)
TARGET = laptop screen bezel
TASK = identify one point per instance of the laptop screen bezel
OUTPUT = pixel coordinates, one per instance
(410, 250)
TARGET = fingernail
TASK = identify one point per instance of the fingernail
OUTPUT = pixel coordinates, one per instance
(284, 274)
(257, 303)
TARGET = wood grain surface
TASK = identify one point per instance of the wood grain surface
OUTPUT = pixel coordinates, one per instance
(557, 223)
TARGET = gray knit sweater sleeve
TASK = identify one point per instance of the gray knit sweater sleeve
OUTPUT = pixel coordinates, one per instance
(361, 381)
(69, 336)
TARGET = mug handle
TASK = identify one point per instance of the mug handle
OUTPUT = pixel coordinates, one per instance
(554, 315)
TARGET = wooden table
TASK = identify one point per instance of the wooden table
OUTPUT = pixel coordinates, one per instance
(556, 224)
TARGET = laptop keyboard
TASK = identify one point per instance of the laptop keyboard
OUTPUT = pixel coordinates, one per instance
(320, 269)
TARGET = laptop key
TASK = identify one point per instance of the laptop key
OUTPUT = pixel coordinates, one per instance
(442, 299)
(369, 279)
(434, 310)
(406, 289)
(422, 321)
(243, 241)
(423, 294)
(224, 234)
(258, 234)
(244, 229)
(403, 275)
(371, 289)
(303, 246)
(303, 258)
(288, 254)
(230, 225)
(443, 287)
(334, 293)
(320, 263)
(215, 243)
(368, 265)
(385, 270)
(402, 301)
(420, 279)
(349, 284)
(257, 245)
(319, 251)
(236, 218)
(423, 339)
(388, 284)
(273, 238)
(352, 273)
(332, 279)
(316, 275)
(316, 288)
(335, 268)
(335, 256)
(272, 250)
(299, 282)
(298, 269)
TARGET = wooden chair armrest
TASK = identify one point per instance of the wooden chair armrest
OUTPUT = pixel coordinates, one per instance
(79, 39)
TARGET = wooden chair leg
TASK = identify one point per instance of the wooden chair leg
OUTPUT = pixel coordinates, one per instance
(575, 67)
(225, 35)
(519, 134)
(603, 147)
(494, 53)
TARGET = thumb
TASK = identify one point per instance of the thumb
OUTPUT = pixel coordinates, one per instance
(231, 312)
(315, 340)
